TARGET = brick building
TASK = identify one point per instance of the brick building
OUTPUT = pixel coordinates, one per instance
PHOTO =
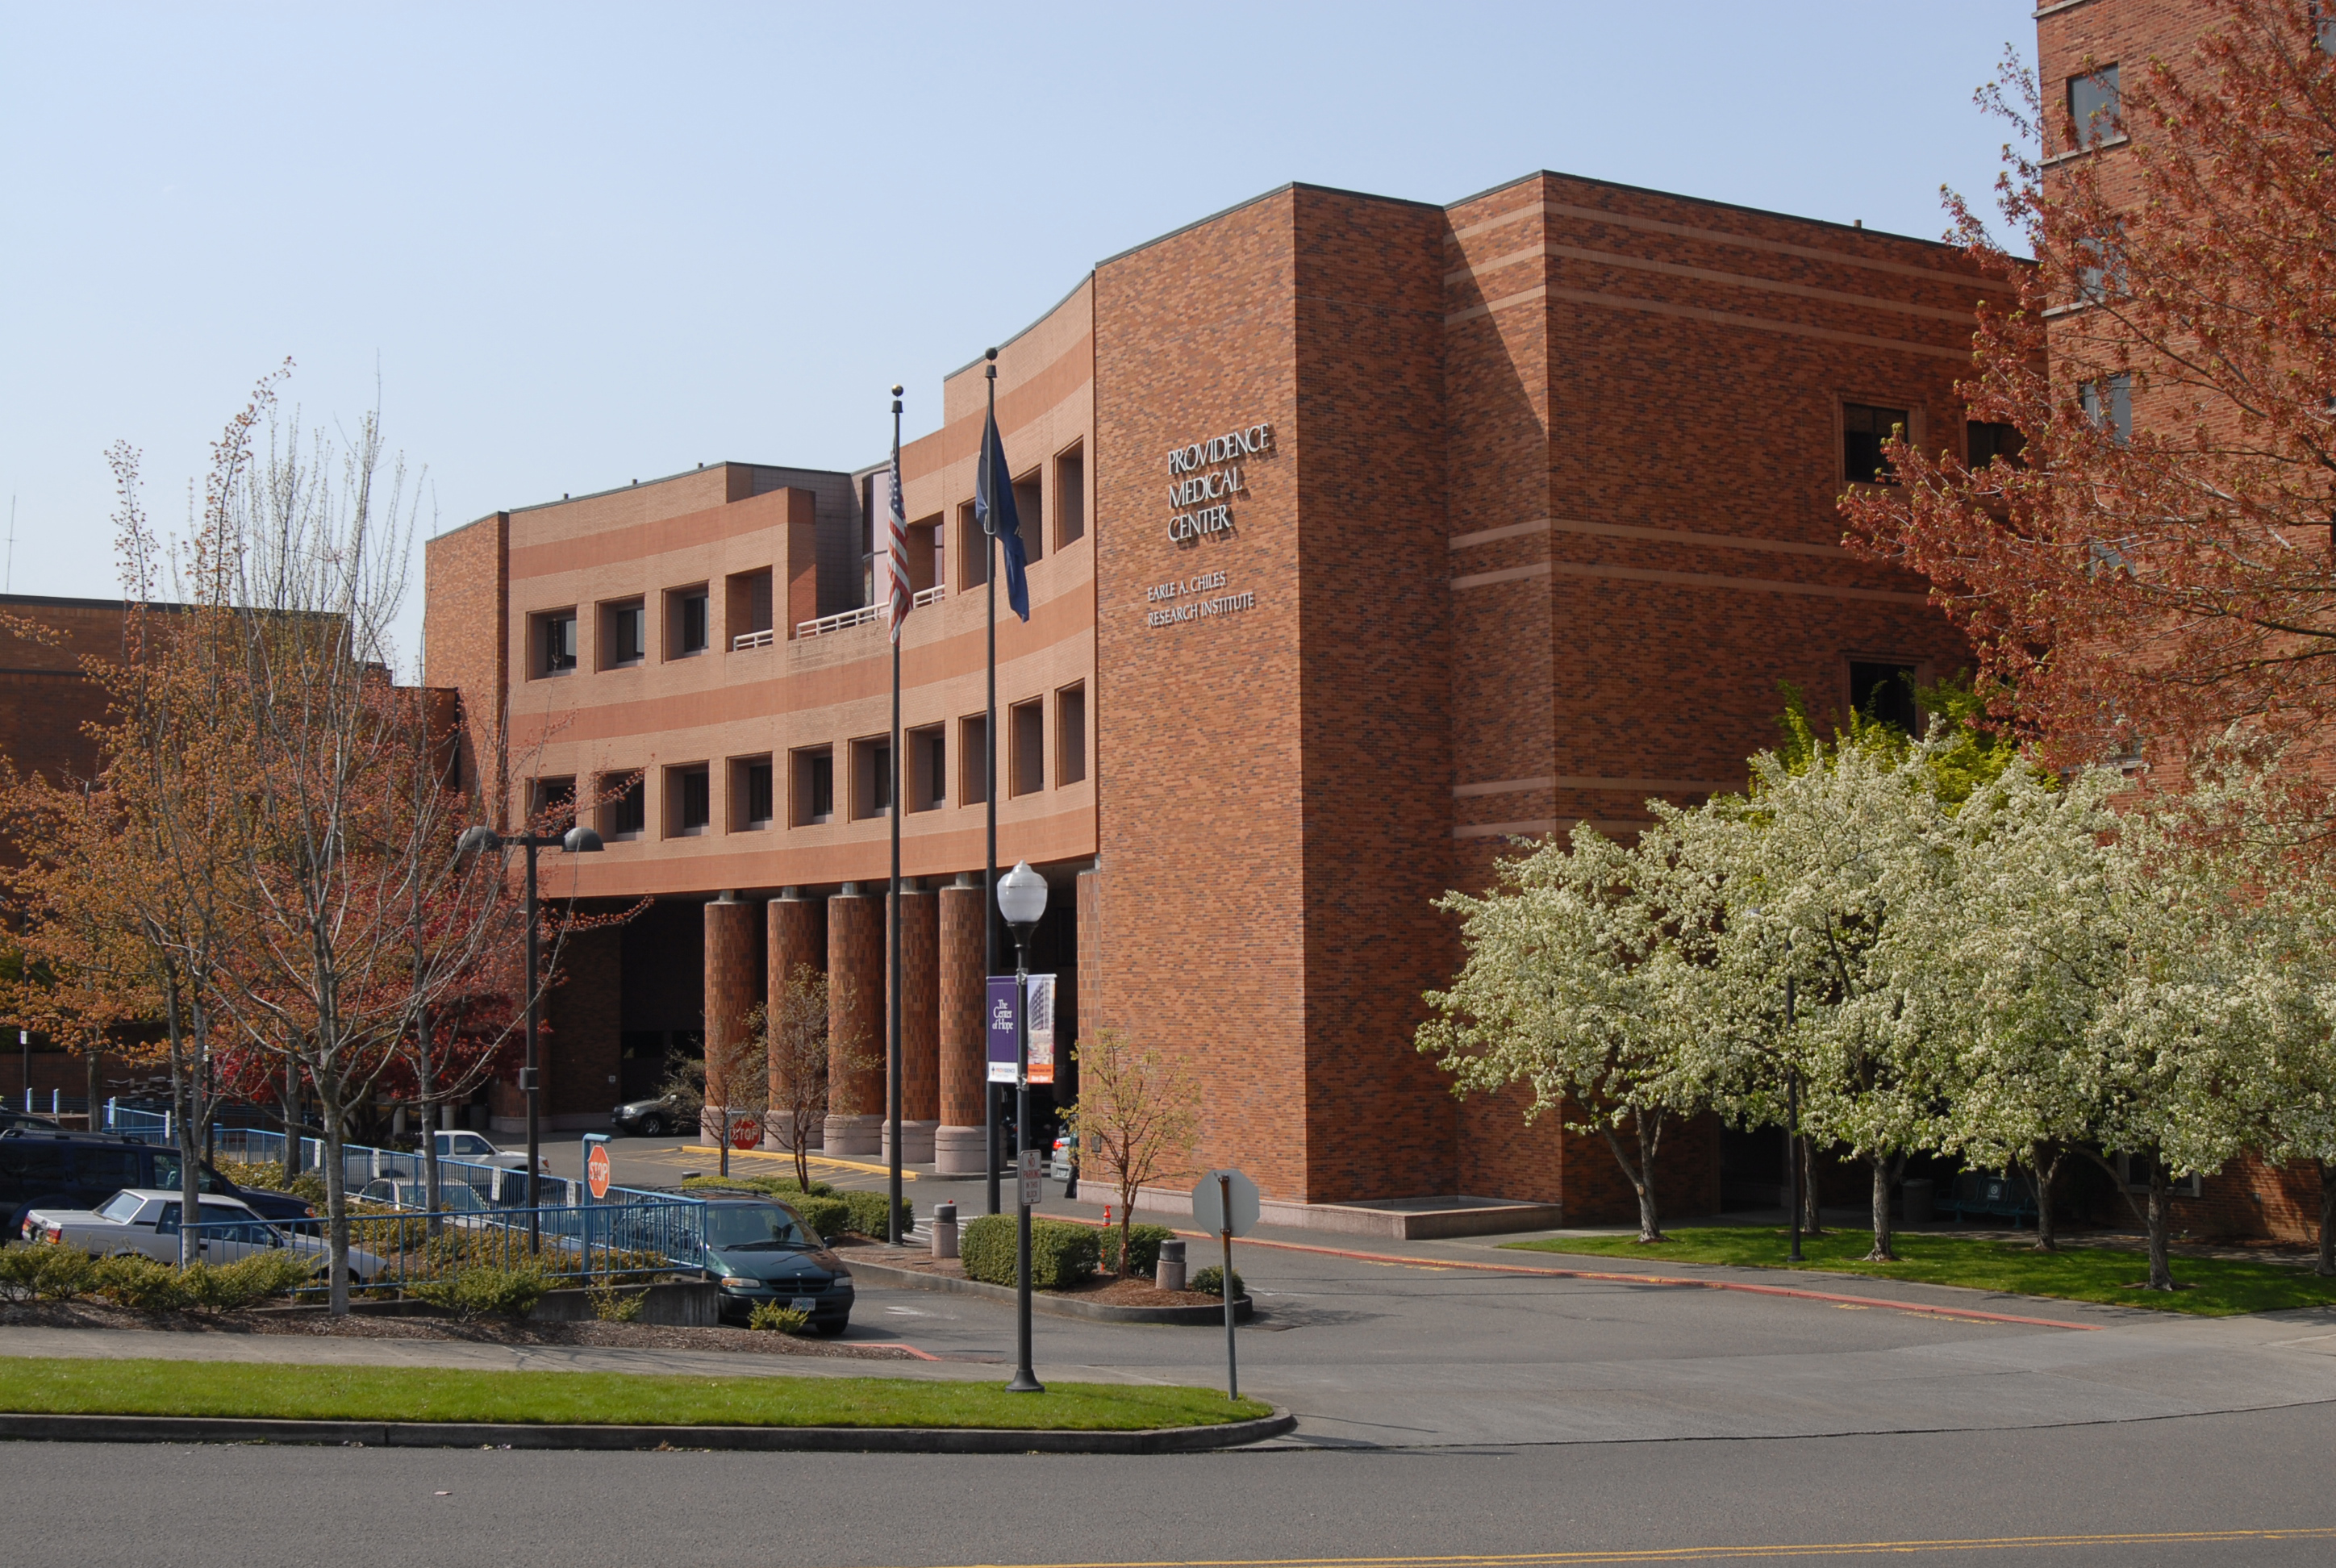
(1367, 536)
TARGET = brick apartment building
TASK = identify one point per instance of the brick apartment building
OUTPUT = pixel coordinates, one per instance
(1367, 535)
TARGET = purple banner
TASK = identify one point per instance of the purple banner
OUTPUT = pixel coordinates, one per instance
(998, 1016)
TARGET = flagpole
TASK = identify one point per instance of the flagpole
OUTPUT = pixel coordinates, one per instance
(989, 789)
(900, 776)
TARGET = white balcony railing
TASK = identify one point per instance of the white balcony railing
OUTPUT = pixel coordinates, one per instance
(746, 639)
(863, 615)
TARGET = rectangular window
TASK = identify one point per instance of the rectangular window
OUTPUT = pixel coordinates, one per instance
(689, 800)
(554, 642)
(2109, 406)
(751, 794)
(1864, 426)
(973, 550)
(626, 815)
(872, 778)
(927, 787)
(552, 804)
(748, 609)
(1070, 496)
(623, 634)
(1030, 517)
(974, 764)
(1070, 735)
(1026, 725)
(688, 622)
(1885, 692)
(2093, 106)
(1984, 443)
(815, 786)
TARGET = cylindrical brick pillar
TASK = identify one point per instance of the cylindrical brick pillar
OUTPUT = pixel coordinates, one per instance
(960, 1146)
(732, 983)
(797, 927)
(855, 1023)
(920, 1067)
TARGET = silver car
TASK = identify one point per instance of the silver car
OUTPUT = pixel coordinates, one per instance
(453, 1197)
(144, 1221)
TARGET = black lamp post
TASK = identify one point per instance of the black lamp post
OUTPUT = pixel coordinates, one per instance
(1022, 899)
(578, 840)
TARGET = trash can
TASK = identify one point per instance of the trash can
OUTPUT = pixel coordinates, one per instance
(1915, 1201)
(1168, 1271)
(944, 1230)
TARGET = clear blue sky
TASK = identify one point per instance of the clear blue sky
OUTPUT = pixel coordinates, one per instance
(583, 245)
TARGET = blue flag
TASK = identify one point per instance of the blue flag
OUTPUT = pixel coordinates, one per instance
(993, 508)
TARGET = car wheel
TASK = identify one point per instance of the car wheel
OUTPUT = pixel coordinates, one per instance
(652, 1126)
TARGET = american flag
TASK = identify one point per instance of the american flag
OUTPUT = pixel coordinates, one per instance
(899, 596)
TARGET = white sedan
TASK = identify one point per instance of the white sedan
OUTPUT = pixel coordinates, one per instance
(145, 1221)
(472, 1149)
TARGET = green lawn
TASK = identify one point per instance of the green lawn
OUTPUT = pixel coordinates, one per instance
(2215, 1287)
(89, 1386)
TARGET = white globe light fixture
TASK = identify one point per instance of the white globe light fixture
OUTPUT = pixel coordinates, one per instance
(1021, 898)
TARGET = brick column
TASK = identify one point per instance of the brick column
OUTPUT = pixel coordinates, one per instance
(733, 987)
(920, 1082)
(797, 927)
(959, 1145)
(855, 1023)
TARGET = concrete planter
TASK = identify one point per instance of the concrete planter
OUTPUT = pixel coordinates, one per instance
(1045, 1301)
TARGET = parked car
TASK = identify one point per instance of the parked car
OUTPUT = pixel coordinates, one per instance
(9, 1118)
(72, 1170)
(653, 1118)
(472, 1149)
(453, 1197)
(145, 1221)
(762, 1251)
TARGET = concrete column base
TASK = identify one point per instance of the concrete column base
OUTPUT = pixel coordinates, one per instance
(848, 1135)
(960, 1150)
(780, 1135)
(916, 1142)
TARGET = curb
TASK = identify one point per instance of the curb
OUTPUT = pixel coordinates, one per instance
(753, 1439)
(1041, 1301)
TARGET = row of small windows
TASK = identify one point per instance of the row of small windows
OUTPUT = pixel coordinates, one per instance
(862, 768)
(1864, 426)
(623, 637)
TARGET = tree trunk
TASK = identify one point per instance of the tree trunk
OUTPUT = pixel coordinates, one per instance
(1811, 1211)
(1884, 1169)
(2043, 1173)
(2161, 1217)
(425, 1089)
(1649, 1127)
(291, 1120)
(337, 1199)
(2327, 1218)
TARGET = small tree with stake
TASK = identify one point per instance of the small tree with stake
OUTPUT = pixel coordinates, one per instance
(1137, 1117)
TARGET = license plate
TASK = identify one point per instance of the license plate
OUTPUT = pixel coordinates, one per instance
(802, 1304)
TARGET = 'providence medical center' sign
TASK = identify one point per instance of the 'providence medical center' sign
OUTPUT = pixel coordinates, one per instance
(1203, 479)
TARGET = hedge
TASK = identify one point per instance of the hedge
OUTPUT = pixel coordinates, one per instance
(1061, 1254)
(1211, 1282)
(1142, 1248)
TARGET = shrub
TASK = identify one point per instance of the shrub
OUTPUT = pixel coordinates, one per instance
(867, 1212)
(143, 1284)
(830, 1216)
(611, 1305)
(480, 1292)
(46, 1273)
(770, 1315)
(1061, 1254)
(1143, 1249)
(1211, 1282)
(774, 1186)
(230, 1287)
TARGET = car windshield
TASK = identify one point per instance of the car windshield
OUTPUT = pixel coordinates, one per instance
(122, 1208)
(742, 1227)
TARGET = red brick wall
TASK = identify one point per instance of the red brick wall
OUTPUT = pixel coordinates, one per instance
(855, 1006)
(795, 934)
(466, 577)
(734, 984)
(921, 1085)
(958, 998)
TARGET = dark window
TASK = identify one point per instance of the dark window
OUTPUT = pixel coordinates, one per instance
(555, 803)
(1028, 726)
(1070, 495)
(976, 767)
(871, 768)
(629, 812)
(693, 623)
(2093, 105)
(1030, 517)
(927, 784)
(815, 787)
(1070, 735)
(2100, 270)
(973, 549)
(693, 799)
(1886, 694)
(758, 792)
(1985, 441)
(2109, 406)
(1863, 428)
(558, 634)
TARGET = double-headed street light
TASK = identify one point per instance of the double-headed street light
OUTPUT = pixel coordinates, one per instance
(1022, 899)
(578, 840)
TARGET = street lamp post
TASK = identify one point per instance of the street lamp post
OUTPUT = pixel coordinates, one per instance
(578, 840)
(1022, 899)
(1792, 1106)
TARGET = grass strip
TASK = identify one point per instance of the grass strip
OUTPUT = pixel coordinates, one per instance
(74, 1386)
(2211, 1287)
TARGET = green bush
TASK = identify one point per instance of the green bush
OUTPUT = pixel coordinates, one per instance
(230, 1287)
(1143, 1249)
(1211, 1282)
(774, 1186)
(770, 1315)
(1061, 1254)
(830, 1216)
(45, 1272)
(867, 1212)
(489, 1291)
(143, 1284)
(611, 1305)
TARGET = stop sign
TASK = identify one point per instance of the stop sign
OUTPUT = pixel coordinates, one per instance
(745, 1133)
(596, 1171)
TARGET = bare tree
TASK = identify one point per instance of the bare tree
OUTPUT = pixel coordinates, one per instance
(1137, 1117)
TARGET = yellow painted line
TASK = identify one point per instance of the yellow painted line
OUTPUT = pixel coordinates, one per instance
(1719, 1554)
(829, 1160)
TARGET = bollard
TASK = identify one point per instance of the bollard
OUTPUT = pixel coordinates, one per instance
(1168, 1272)
(944, 1230)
